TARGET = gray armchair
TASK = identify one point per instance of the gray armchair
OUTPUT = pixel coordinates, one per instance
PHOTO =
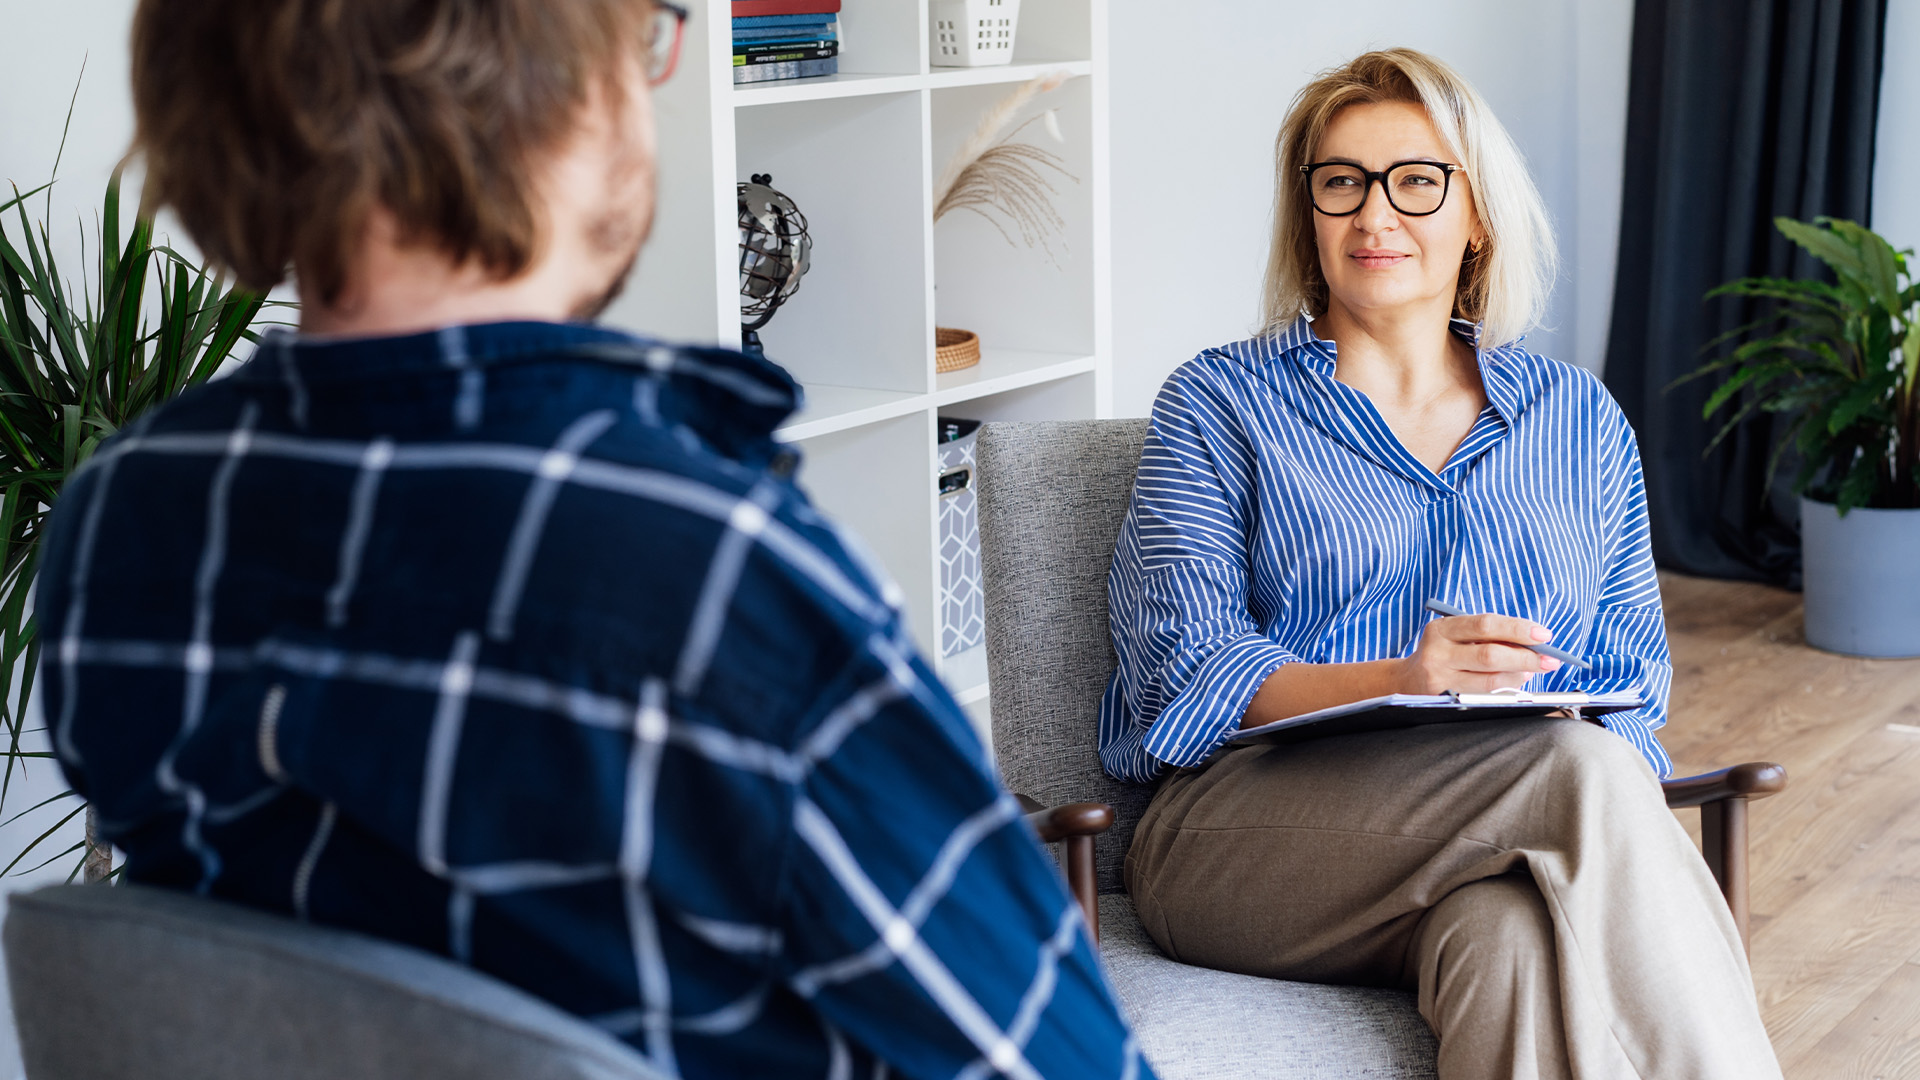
(134, 983)
(1052, 497)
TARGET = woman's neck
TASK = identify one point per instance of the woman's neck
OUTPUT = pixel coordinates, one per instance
(1401, 360)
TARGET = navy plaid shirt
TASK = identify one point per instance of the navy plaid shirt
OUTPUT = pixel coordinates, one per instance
(519, 644)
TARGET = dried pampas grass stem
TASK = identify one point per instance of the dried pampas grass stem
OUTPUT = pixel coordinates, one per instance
(991, 173)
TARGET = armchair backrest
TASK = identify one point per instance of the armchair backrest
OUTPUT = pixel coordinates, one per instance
(125, 982)
(1052, 498)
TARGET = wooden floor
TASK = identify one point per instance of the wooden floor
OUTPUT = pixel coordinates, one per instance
(1836, 857)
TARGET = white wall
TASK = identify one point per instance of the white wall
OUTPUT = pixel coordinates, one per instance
(1896, 162)
(1200, 87)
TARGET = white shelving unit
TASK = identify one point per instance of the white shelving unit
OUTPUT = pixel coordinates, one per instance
(858, 152)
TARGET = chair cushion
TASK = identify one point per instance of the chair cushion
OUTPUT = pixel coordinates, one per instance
(1052, 499)
(124, 982)
(1198, 1024)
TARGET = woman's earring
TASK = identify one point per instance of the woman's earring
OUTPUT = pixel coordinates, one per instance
(1476, 244)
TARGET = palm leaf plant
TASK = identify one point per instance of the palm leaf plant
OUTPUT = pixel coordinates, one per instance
(1840, 360)
(75, 368)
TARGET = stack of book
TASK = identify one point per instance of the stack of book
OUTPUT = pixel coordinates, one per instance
(785, 39)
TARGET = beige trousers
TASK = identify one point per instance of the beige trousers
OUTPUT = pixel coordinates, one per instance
(1527, 879)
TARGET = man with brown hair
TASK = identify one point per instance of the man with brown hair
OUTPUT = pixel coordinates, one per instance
(455, 620)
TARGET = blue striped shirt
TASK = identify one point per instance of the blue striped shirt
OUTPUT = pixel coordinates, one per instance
(519, 644)
(1277, 519)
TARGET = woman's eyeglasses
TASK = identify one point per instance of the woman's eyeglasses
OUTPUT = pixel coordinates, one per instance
(663, 52)
(1414, 188)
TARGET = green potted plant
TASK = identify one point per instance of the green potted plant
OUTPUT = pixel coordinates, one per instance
(75, 367)
(1842, 362)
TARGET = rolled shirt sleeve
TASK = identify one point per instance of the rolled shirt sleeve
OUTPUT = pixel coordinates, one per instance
(1191, 654)
(1627, 642)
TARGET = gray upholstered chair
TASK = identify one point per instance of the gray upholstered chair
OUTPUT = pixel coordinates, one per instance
(1052, 496)
(133, 983)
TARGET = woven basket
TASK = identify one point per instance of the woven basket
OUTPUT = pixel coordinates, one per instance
(954, 349)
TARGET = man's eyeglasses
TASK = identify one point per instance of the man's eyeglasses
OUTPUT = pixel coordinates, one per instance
(663, 52)
(1414, 188)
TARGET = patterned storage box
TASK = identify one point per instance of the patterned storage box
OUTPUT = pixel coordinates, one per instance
(963, 609)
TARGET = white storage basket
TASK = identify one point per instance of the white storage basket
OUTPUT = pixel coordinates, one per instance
(973, 33)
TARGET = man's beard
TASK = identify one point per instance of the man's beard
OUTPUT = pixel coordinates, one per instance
(591, 309)
(614, 230)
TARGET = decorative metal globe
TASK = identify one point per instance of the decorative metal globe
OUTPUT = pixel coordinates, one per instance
(774, 251)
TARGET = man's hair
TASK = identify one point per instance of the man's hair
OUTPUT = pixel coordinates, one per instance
(1504, 286)
(272, 127)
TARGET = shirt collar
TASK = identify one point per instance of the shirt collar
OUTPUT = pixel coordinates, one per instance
(1300, 345)
(717, 392)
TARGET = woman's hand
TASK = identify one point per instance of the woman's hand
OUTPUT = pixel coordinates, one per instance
(1475, 654)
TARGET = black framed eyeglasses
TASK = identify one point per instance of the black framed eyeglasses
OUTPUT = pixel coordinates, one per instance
(663, 45)
(1414, 188)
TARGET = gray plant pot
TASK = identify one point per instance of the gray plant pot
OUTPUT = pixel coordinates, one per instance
(1862, 579)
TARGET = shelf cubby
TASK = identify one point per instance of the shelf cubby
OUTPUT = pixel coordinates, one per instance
(858, 153)
(1015, 296)
(877, 480)
(856, 167)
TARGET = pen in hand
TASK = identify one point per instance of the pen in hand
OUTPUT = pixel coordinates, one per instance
(1561, 655)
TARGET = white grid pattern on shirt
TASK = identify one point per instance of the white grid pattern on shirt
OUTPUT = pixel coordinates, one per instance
(650, 731)
(744, 526)
(666, 488)
(290, 374)
(353, 541)
(199, 652)
(461, 678)
(1027, 1020)
(303, 875)
(72, 640)
(919, 903)
(555, 466)
(467, 406)
(443, 745)
(819, 834)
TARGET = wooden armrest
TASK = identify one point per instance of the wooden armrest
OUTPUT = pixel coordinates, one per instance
(1722, 798)
(1753, 780)
(1077, 824)
(1073, 819)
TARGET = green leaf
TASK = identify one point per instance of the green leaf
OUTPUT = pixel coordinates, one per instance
(48, 801)
(1858, 488)
(1878, 260)
(1813, 294)
(20, 197)
(1757, 374)
(1910, 355)
(41, 839)
(77, 365)
(1837, 250)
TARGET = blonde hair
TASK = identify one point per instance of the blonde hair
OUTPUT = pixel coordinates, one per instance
(1504, 286)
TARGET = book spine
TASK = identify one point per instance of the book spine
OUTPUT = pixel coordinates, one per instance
(761, 22)
(748, 8)
(784, 54)
(775, 35)
(797, 69)
(761, 48)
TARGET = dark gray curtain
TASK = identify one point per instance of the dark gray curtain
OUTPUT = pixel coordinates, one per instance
(1739, 110)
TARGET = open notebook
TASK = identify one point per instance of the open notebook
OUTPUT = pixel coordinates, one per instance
(1411, 710)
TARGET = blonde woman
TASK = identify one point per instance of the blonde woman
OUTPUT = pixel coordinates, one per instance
(1383, 441)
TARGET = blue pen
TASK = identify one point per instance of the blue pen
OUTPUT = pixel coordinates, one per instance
(1561, 655)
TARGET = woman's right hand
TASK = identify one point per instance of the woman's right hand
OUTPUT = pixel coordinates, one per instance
(1475, 654)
